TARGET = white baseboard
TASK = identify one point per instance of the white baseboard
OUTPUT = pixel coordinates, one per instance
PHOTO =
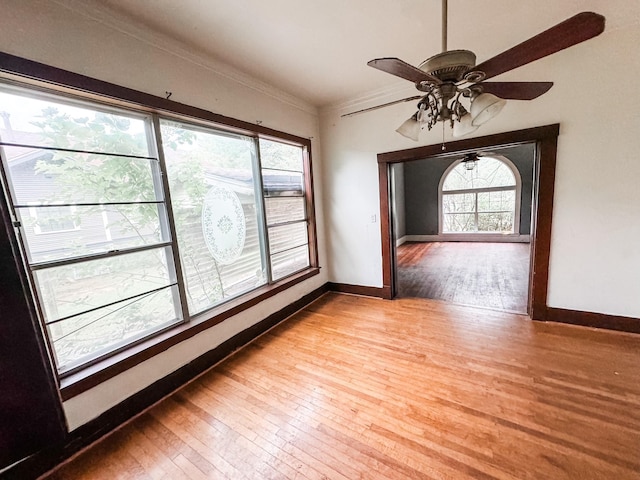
(466, 237)
(401, 240)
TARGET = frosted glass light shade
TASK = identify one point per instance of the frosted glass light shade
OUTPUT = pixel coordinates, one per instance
(464, 126)
(410, 129)
(484, 107)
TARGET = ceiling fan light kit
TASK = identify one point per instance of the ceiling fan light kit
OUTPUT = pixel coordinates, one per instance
(410, 128)
(464, 126)
(484, 107)
(451, 78)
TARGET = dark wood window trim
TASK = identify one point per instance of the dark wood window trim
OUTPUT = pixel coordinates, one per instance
(545, 138)
(42, 76)
(93, 375)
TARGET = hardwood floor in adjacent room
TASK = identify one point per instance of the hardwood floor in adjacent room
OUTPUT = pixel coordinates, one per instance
(489, 275)
(355, 387)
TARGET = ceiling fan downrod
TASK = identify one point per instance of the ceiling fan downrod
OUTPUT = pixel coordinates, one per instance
(444, 25)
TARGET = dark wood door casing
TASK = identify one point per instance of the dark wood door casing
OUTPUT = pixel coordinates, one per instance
(546, 140)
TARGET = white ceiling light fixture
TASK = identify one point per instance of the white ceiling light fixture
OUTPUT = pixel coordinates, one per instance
(451, 78)
(411, 127)
(484, 107)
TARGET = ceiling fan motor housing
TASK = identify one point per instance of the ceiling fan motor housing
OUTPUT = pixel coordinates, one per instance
(449, 66)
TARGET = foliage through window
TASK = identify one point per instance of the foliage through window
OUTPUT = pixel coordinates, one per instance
(112, 261)
(481, 200)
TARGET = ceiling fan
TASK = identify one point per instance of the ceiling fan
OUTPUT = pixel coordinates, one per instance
(451, 77)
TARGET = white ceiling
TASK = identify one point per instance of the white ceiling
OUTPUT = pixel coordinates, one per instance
(317, 50)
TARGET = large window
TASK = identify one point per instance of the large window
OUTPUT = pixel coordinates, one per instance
(482, 199)
(112, 260)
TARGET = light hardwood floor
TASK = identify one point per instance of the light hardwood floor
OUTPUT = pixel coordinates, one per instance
(354, 387)
(489, 275)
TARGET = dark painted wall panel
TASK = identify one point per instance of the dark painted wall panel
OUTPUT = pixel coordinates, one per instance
(422, 177)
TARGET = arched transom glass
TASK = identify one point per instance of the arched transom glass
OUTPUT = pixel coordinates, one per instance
(479, 200)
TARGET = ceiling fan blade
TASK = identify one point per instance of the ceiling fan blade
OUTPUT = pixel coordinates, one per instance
(572, 31)
(516, 90)
(382, 106)
(402, 69)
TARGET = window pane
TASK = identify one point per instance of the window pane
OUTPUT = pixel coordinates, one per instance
(496, 201)
(459, 203)
(459, 222)
(495, 222)
(54, 219)
(88, 336)
(282, 183)
(290, 261)
(54, 233)
(287, 236)
(284, 209)
(79, 206)
(76, 288)
(216, 214)
(45, 176)
(48, 121)
(281, 156)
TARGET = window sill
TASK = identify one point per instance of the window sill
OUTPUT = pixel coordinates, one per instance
(97, 373)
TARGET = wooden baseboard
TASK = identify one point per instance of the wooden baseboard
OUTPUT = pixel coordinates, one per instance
(45, 460)
(358, 290)
(401, 241)
(469, 237)
(596, 320)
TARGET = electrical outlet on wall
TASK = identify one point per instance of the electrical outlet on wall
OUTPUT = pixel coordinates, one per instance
(374, 218)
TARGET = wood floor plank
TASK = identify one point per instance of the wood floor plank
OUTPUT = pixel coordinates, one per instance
(491, 275)
(354, 387)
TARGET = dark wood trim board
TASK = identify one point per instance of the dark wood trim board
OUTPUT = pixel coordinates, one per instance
(546, 141)
(358, 290)
(27, 69)
(596, 320)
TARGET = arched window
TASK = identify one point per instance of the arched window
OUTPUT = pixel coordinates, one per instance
(482, 199)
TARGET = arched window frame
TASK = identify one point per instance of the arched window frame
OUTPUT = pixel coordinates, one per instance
(484, 235)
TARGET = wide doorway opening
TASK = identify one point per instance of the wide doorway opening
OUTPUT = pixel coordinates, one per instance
(502, 212)
(462, 226)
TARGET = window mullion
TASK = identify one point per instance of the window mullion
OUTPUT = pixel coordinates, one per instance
(480, 190)
(263, 230)
(168, 222)
(98, 256)
(309, 213)
(475, 195)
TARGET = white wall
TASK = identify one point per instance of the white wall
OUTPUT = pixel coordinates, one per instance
(48, 32)
(595, 250)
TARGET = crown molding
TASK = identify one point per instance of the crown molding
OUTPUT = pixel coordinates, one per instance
(142, 33)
